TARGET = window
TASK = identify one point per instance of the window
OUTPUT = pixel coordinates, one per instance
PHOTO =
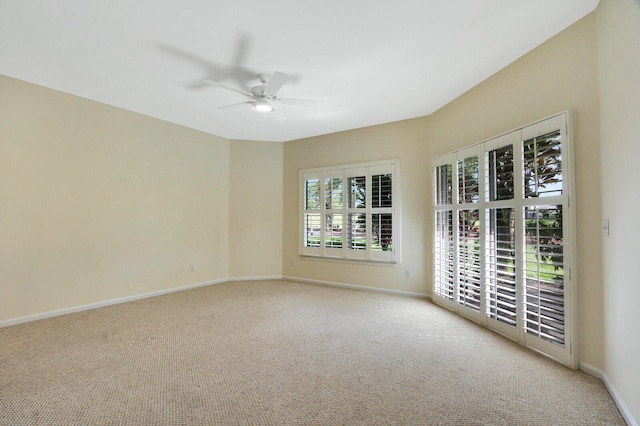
(351, 212)
(503, 236)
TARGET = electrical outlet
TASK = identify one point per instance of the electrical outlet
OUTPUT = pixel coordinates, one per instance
(409, 273)
(191, 268)
(293, 263)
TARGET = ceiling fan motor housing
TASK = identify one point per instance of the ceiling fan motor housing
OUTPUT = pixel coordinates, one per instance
(260, 92)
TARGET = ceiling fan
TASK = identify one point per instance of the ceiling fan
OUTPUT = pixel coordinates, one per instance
(264, 97)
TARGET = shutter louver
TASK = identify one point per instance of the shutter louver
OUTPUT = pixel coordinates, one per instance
(443, 244)
(469, 293)
(357, 192)
(312, 229)
(500, 169)
(500, 264)
(381, 218)
(312, 218)
(444, 185)
(357, 216)
(357, 235)
(543, 166)
(468, 183)
(443, 255)
(333, 220)
(544, 273)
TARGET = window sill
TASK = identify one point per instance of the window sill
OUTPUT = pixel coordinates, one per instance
(346, 260)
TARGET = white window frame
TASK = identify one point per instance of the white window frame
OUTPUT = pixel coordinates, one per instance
(566, 353)
(344, 172)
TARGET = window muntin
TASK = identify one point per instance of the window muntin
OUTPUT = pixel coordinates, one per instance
(357, 205)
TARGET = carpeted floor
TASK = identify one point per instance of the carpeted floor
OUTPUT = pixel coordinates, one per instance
(283, 353)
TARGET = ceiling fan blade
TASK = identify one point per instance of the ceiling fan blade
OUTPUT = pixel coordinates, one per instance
(242, 49)
(299, 102)
(204, 63)
(238, 71)
(224, 86)
(235, 105)
(276, 81)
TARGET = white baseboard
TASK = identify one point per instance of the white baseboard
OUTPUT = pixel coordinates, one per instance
(267, 277)
(73, 309)
(65, 311)
(599, 374)
(359, 287)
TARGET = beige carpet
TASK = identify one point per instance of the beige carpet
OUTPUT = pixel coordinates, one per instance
(283, 353)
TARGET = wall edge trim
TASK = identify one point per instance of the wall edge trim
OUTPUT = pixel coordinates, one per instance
(256, 278)
(358, 287)
(89, 306)
(599, 374)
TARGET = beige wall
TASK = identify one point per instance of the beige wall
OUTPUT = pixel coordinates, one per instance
(404, 140)
(255, 226)
(559, 75)
(619, 72)
(98, 203)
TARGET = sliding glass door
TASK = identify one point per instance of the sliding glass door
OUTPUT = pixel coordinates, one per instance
(503, 240)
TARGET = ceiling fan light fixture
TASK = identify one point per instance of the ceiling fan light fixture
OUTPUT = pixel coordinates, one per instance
(262, 106)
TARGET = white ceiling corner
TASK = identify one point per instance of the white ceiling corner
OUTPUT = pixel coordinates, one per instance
(370, 62)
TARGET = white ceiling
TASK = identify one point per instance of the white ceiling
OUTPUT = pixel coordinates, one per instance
(369, 61)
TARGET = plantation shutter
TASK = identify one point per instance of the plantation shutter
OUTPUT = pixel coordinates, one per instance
(443, 244)
(544, 273)
(500, 236)
(469, 259)
(544, 201)
(469, 293)
(350, 212)
(312, 216)
(384, 226)
(501, 265)
(358, 235)
(507, 263)
(333, 229)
